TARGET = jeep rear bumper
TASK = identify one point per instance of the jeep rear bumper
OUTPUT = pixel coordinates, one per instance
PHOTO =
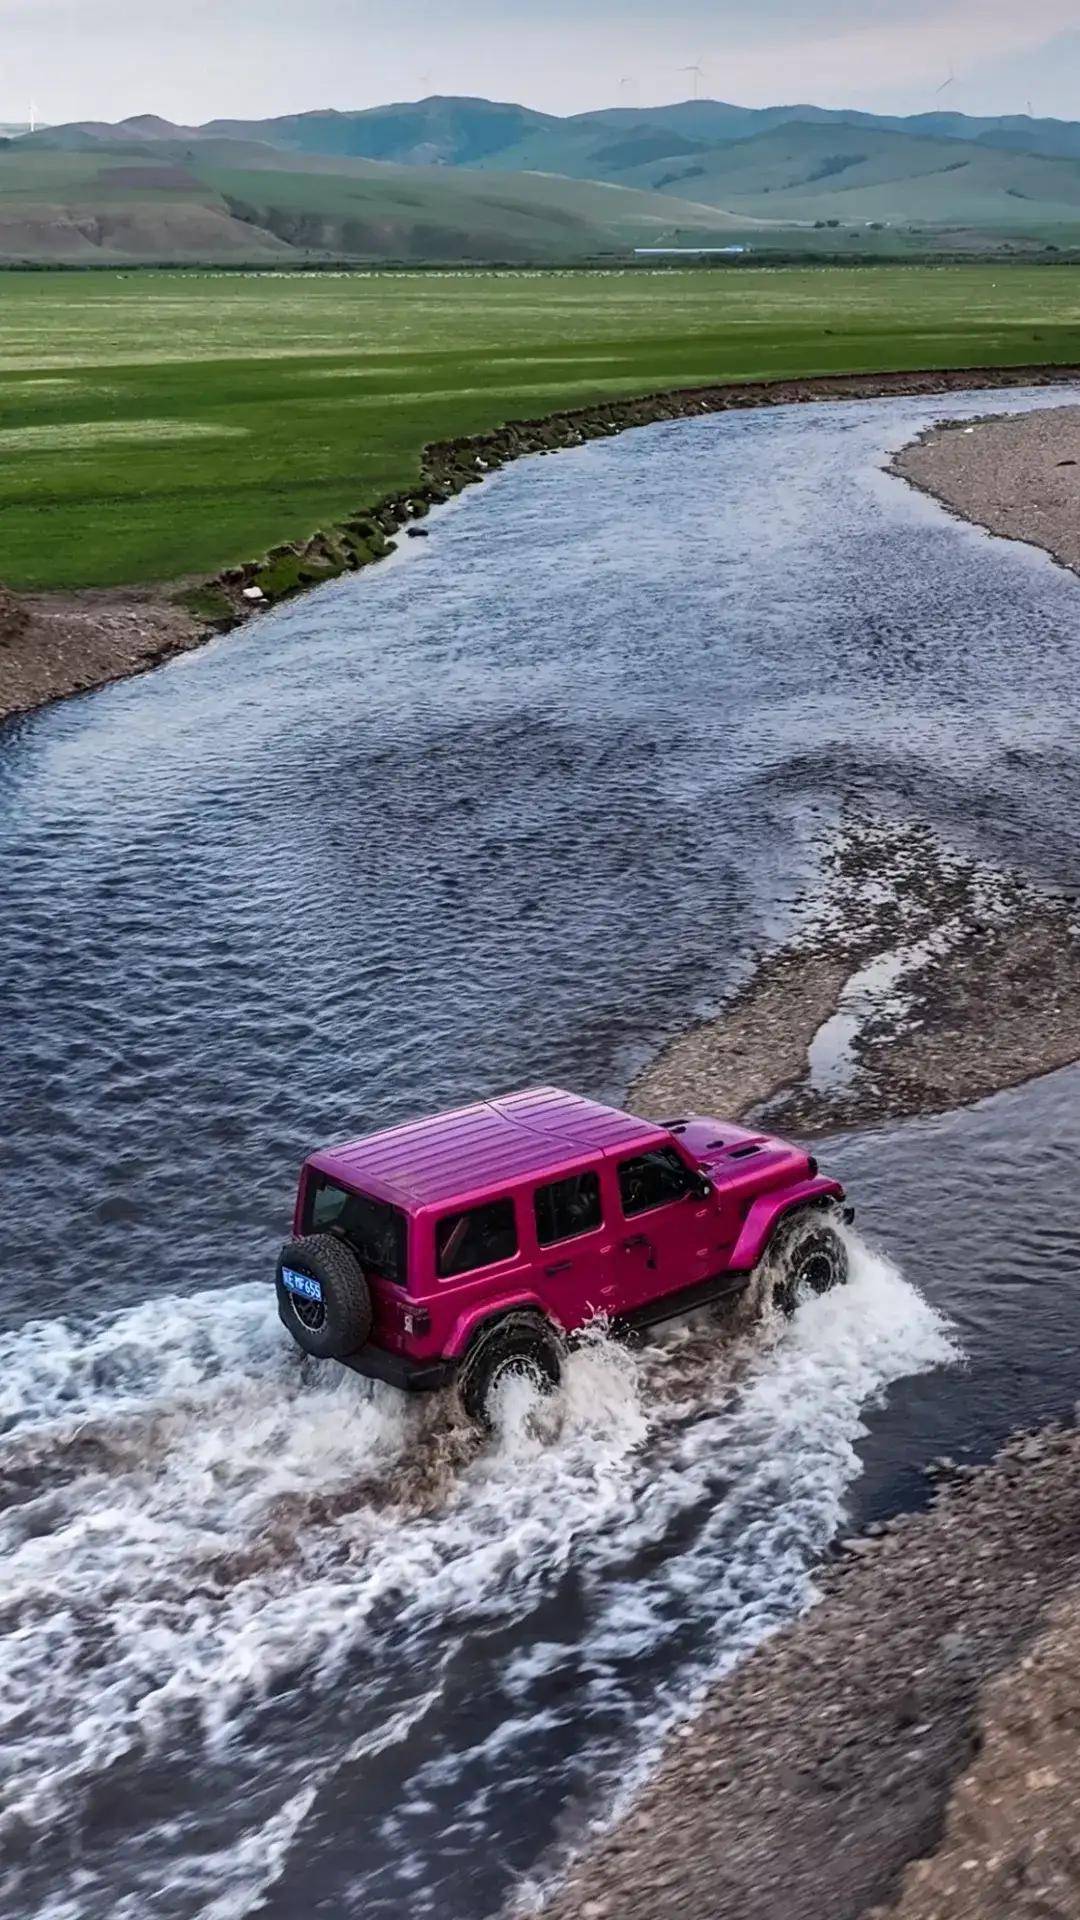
(398, 1370)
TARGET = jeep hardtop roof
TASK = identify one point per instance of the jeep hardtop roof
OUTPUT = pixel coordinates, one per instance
(491, 1144)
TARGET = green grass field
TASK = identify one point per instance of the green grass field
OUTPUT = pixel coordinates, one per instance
(155, 426)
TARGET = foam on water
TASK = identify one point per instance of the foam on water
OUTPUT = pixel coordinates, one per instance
(199, 1527)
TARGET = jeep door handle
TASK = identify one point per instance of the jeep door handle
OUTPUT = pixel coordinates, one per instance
(561, 1266)
(642, 1240)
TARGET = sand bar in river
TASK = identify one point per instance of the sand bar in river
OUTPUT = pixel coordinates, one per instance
(1019, 477)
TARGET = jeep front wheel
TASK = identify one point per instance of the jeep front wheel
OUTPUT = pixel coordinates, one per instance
(807, 1254)
(520, 1346)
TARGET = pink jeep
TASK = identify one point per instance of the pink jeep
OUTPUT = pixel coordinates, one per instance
(472, 1245)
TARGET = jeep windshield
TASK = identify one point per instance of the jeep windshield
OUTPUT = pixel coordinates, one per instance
(374, 1228)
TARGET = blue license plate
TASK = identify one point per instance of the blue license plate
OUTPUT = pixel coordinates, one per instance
(301, 1283)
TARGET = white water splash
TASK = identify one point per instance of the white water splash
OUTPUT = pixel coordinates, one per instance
(196, 1520)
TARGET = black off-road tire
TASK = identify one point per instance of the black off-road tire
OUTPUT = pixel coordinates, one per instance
(522, 1343)
(807, 1254)
(341, 1323)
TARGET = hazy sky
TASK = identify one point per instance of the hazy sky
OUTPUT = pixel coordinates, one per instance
(193, 59)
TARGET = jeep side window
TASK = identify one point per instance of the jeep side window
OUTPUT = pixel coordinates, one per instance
(475, 1239)
(567, 1208)
(651, 1179)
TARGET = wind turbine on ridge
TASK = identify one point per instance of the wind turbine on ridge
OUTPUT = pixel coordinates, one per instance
(698, 72)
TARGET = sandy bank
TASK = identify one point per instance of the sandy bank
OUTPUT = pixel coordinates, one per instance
(876, 1009)
(71, 642)
(925, 1712)
(1019, 477)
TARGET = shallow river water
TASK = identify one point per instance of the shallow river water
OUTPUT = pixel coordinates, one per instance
(511, 808)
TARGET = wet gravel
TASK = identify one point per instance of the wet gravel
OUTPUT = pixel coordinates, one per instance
(876, 1009)
(1011, 1845)
(826, 1763)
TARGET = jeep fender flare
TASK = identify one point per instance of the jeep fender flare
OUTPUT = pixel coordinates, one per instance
(477, 1319)
(767, 1211)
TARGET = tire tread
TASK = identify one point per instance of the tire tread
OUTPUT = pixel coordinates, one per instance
(346, 1295)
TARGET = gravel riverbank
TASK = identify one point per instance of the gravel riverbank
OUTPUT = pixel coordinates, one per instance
(1019, 477)
(905, 1748)
(876, 1009)
(53, 645)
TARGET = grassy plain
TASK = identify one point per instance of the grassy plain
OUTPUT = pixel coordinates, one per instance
(161, 425)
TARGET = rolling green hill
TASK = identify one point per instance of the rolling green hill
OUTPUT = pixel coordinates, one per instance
(712, 122)
(221, 200)
(449, 179)
(588, 149)
(800, 172)
(435, 132)
(826, 168)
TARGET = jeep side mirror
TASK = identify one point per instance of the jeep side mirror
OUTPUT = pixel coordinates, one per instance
(702, 1187)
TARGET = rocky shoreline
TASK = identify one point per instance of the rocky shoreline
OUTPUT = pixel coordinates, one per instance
(54, 645)
(903, 1749)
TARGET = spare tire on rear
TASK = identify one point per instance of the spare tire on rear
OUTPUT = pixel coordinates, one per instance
(323, 1298)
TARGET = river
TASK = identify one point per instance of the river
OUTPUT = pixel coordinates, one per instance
(513, 807)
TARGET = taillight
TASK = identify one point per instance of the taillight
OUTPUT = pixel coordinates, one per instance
(417, 1320)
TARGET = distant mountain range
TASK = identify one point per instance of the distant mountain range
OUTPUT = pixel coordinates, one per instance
(461, 132)
(414, 181)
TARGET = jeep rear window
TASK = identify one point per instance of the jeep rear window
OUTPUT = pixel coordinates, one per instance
(567, 1208)
(652, 1179)
(373, 1227)
(476, 1239)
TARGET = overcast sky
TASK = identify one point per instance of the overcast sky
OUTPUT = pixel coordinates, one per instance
(191, 60)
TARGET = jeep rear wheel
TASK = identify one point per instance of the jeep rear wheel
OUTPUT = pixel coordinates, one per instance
(807, 1254)
(323, 1298)
(521, 1346)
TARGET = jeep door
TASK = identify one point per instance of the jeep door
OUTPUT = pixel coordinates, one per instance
(573, 1256)
(667, 1233)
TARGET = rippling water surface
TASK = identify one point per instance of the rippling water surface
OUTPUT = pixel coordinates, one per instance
(513, 807)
